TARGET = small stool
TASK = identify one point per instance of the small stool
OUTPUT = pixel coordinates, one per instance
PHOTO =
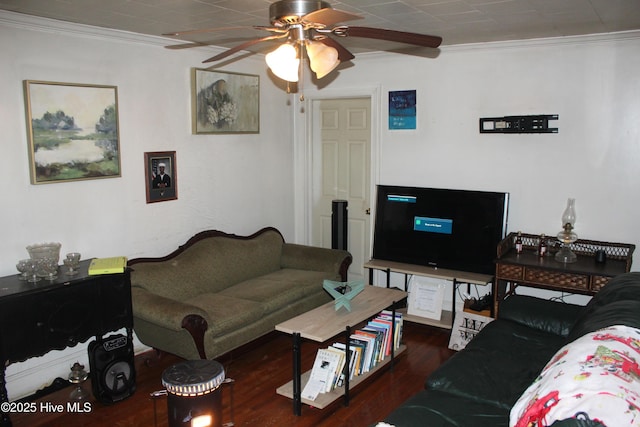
(193, 393)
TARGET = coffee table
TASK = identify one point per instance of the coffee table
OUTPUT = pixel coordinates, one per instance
(324, 323)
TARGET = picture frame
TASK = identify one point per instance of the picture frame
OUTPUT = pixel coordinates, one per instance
(224, 102)
(402, 109)
(72, 131)
(426, 297)
(161, 176)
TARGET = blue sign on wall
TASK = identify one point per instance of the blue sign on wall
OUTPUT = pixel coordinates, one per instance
(402, 109)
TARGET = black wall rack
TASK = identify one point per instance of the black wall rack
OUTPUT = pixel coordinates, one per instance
(518, 124)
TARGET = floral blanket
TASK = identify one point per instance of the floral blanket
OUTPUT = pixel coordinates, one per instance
(596, 377)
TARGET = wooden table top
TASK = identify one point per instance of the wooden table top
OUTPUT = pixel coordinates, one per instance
(324, 322)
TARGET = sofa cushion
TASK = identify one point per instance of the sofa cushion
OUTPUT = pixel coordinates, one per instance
(595, 377)
(225, 313)
(549, 316)
(278, 289)
(614, 313)
(624, 292)
(497, 365)
(210, 265)
(622, 287)
(431, 408)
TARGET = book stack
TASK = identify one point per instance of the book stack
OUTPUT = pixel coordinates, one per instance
(368, 346)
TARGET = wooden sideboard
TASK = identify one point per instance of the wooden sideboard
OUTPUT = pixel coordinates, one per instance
(36, 318)
(585, 276)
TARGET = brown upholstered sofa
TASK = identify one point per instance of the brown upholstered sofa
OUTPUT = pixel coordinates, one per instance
(219, 291)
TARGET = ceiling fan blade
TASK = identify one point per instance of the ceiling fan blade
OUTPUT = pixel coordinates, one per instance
(185, 45)
(213, 30)
(329, 16)
(343, 53)
(391, 35)
(243, 46)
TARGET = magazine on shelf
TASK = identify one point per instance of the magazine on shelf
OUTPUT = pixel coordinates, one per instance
(322, 373)
(337, 374)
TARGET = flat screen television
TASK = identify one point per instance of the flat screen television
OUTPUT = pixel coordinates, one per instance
(443, 228)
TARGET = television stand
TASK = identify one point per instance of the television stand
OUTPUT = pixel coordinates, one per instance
(456, 277)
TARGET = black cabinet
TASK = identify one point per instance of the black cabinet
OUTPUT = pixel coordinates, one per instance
(36, 318)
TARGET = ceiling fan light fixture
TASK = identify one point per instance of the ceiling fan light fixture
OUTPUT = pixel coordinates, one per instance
(322, 58)
(306, 25)
(284, 62)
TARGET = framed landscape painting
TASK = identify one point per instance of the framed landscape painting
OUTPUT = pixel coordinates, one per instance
(72, 131)
(224, 102)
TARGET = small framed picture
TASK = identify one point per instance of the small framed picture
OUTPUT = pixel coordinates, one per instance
(161, 176)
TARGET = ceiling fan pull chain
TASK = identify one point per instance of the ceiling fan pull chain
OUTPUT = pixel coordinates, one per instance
(302, 53)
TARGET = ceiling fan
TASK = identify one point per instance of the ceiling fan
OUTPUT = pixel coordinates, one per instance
(308, 27)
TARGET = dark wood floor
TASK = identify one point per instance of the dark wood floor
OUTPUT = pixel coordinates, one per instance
(257, 372)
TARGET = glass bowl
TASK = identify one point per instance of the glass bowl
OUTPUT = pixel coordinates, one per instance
(46, 257)
(45, 251)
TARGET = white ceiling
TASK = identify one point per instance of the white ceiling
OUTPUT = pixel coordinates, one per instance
(456, 21)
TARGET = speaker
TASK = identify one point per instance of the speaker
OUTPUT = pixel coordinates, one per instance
(339, 224)
(113, 373)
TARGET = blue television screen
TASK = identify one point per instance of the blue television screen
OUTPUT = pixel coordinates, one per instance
(445, 228)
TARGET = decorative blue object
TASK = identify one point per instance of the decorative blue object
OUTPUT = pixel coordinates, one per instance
(343, 292)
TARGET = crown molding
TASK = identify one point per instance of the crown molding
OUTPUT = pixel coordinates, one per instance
(599, 38)
(54, 26)
(587, 39)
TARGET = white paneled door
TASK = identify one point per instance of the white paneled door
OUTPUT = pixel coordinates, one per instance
(341, 165)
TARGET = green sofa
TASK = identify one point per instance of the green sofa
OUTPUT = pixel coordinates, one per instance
(478, 386)
(219, 291)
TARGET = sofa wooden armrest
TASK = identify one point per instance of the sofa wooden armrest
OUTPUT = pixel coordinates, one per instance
(196, 325)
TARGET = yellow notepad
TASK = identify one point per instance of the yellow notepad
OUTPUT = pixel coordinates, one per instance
(111, 265)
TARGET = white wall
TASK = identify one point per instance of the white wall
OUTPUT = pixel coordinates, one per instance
(236, 183)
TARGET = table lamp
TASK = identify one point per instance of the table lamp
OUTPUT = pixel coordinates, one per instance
(567, 236)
